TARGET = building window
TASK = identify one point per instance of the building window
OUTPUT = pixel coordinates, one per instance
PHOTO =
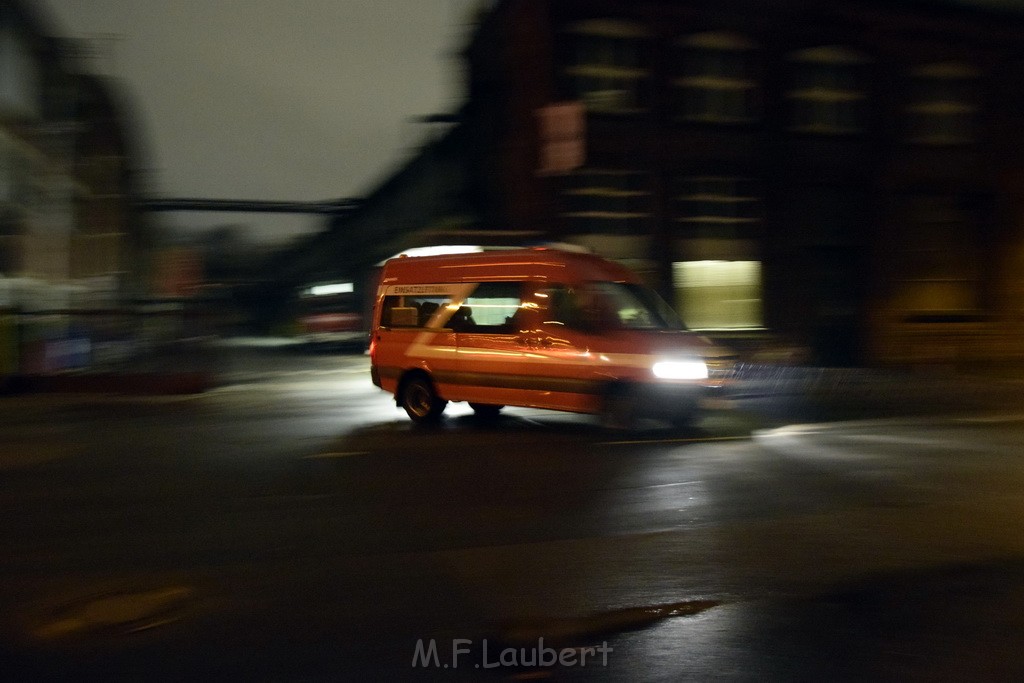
(607, 202)
(607, 71)
(103, 174)
(719, 294)
(717, 207)
(23, 177)
(943, 104)
(828, 93)
(939, 261)
(19, 78)
(716, 82)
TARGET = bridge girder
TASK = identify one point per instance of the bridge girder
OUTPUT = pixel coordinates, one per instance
(325, 208)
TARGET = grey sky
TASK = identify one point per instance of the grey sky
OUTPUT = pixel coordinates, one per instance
(264, 99)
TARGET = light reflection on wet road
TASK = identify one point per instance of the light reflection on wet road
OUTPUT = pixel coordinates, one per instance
(317, 534)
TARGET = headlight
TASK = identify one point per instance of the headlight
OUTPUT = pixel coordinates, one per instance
(680, 369)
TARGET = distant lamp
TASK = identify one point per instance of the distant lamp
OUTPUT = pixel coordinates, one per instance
(329, 289)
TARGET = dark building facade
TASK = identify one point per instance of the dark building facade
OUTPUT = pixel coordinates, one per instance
(847, 176)
(68, 183)
(71, 241)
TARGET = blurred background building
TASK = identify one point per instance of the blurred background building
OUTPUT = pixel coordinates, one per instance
(72, 247)
(846, 175)
(841, 175)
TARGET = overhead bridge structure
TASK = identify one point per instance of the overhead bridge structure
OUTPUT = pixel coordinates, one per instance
(306, 260)
(327, 208)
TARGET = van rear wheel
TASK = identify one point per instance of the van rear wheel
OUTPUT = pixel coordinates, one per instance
(420, 401)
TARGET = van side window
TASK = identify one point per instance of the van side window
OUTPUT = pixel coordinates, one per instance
(597, 306)
(491, 307)
(409, 311)
(563, 307)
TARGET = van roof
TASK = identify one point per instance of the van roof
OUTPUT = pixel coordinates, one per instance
(544, 264)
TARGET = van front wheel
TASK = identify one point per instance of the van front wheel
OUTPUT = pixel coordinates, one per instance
(619, 409)
(420, 400)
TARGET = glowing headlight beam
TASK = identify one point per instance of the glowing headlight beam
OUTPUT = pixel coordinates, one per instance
(680, 369)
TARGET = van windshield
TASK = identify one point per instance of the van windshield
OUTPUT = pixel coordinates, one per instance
(613, 305)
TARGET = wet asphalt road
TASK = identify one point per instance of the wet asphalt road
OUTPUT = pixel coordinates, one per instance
(292, 525)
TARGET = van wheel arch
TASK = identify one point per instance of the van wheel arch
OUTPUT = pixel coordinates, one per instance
(418, 396)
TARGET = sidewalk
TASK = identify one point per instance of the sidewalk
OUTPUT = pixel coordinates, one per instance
(851, 393)
(187, 366)
(769, 368)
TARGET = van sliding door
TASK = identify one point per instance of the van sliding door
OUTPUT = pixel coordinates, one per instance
(492, 363)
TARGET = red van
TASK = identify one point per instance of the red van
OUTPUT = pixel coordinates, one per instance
(540, 328)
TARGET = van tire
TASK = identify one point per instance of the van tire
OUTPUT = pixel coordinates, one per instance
(686, 416)
(486, 411)
(619, 408)
(420, 401)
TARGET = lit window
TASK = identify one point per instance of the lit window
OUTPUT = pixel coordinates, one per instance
(715, 82)
(827, 94)
(938, 258)
(719, 294)
(607, 202)
(607, 71)
(716, 207)
(943, 106)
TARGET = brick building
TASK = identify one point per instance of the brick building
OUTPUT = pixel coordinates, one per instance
(845, 175)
